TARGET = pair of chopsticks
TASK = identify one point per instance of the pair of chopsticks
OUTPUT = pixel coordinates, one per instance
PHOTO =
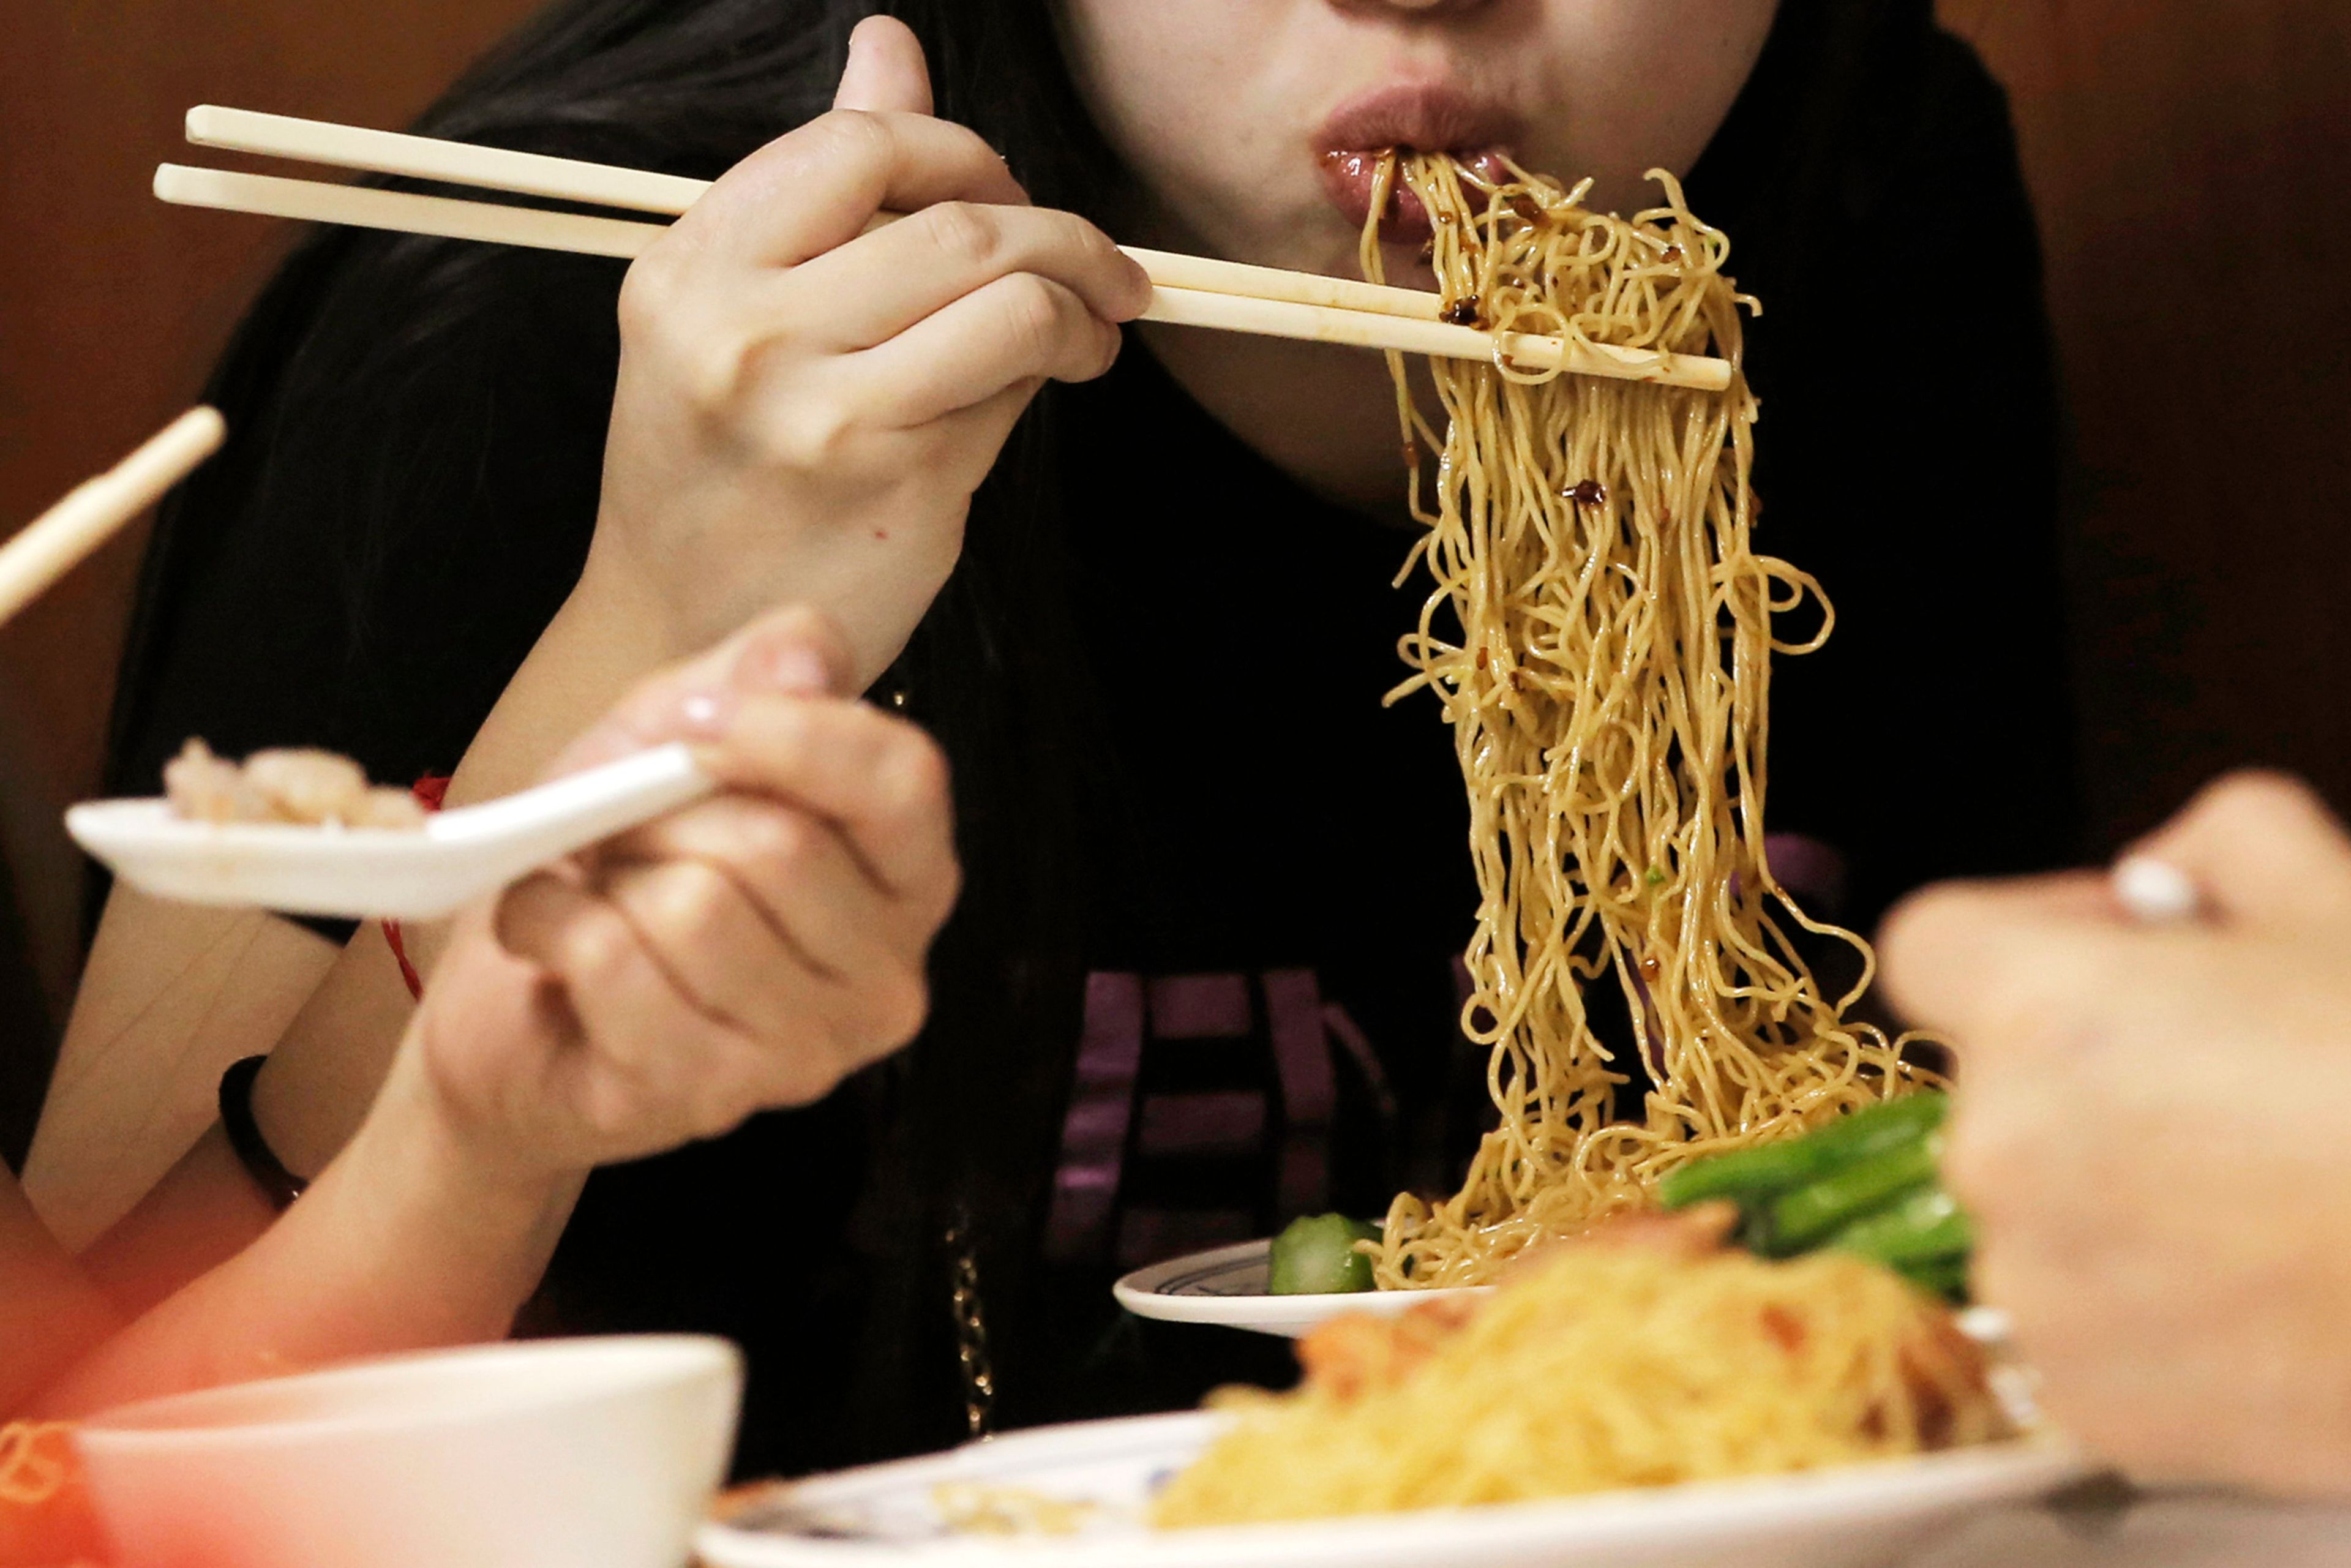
(52, 544)
(1189, 290)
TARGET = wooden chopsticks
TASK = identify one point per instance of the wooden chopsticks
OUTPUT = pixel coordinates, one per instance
(1189, 290)
(52, 544)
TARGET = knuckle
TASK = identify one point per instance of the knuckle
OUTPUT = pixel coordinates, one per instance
(647, 289)
(1917, 937)
(1108, 340)
(712, 372)
(963, 232)
(1032, 315)
(854, 138)
(914, 777)
(803, 626)
(1090, 239)
(779, 840)
(729, 1092)
(803, 1076)
(2250, 796)
(689, 901)
(615, 1107)
(595, 948)
(950, 885)
(813, 432)
(900, 1004)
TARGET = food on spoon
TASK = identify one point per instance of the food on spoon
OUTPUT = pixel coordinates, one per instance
(297, 785)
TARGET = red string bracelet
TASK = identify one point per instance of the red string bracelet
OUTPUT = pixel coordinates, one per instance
(429, 791)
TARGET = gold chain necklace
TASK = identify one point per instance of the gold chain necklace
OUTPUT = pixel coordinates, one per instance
(971, 1325)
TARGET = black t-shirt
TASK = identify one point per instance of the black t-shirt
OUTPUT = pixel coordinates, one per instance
(1279, 881)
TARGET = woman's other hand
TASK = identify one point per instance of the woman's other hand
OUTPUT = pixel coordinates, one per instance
(742, 953)
(805, 408)
(2154, 1129)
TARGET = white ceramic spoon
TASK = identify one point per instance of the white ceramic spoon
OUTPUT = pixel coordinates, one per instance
(400, 874)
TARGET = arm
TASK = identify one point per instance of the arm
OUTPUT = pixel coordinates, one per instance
(741, 955)
(802, 413)
(2150, 1131)
(49, 1313)
(406, 1242)
(170, 995)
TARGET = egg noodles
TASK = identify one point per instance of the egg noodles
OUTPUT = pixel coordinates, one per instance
(35, 1461)
(1599, 634)
(1607, 1366)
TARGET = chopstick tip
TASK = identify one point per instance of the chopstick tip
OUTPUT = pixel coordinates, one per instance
(204, 426)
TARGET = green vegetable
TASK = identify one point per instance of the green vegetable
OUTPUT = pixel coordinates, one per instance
(1316, 1256)
(1944, 1277)
(1761, 1173)
(1924, 1227)
(1797, 1219)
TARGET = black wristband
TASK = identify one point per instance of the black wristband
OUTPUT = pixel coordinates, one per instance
(281, 1186)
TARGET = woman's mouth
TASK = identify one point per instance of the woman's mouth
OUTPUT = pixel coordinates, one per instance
(1429, 119)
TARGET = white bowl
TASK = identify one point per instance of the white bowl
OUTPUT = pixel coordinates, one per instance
(546, 1454)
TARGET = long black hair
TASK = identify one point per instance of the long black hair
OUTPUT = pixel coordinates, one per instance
(421, 422)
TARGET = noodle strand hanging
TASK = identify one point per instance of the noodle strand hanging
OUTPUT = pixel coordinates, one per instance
(1600, 636)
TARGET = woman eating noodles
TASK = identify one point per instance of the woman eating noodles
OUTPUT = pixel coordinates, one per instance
(1144, 607)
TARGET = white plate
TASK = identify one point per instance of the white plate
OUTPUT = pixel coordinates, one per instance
(1226, 1286)
(1853, 1517)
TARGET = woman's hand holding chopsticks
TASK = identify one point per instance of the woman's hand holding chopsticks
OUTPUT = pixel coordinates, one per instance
(805, 408)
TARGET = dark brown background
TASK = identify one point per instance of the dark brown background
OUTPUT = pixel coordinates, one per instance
(2187, 156)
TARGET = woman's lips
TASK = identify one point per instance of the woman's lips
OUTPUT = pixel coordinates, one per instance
(1425, 118)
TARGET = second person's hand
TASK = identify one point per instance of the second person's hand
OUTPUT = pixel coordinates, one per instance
(805, 407)
(2149, 1128)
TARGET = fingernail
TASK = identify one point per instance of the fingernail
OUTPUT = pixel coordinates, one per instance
(789, 665)
(704, 713)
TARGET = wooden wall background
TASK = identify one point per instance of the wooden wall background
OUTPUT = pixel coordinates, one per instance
(2188, 159)
(2188, 156)
(111, 309)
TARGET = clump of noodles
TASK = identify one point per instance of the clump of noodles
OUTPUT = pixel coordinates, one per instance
(1599, 634)
(35, 1461)
(44, 1507)
(1604, 1367)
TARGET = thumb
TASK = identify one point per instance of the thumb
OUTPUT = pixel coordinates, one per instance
(886, 72)
(2263, 848)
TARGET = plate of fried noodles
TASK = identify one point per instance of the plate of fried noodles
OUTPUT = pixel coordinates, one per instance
(1606, 1403)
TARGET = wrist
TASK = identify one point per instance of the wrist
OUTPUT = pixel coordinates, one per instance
(412, 1129)
(621, 604)
(451, 1203)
